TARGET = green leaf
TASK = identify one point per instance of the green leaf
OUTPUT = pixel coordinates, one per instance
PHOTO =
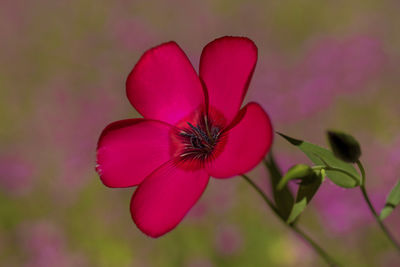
(391, 202)
(304, 195)
(322, 156)
(283, 198)
(299, 171)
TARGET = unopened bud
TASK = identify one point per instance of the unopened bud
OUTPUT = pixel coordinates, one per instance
(344, 146)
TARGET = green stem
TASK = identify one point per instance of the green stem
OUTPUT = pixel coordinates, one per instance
(373, 211)
(264, 196)
(330, 261)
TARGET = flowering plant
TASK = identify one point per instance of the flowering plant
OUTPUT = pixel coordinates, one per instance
(194, 127)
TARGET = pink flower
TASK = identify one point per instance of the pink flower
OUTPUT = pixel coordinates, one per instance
(193, 128)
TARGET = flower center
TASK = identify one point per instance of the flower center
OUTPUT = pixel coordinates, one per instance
(199, 141)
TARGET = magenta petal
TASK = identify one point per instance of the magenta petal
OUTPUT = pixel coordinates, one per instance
(164, 198)
(246, 144)
(163, 85)
(129, 150)
(226, 67)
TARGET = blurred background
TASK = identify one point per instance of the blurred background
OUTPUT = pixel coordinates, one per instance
(63, 65)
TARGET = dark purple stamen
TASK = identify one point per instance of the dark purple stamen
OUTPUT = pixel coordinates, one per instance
(200, 140)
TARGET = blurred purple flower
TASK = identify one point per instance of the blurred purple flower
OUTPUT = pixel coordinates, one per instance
(224, 194)
(199, 210)
(342, 210)
(16, 175)
(14, 18)
(44, 246)
(330, 68)
(198, 262)
(228, 240)
(351, 64)
(71, 126)
(130, 33)
(221, 193)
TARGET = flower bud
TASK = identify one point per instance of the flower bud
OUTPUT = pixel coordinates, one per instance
(344, 146)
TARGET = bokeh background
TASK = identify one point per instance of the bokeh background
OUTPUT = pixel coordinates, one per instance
(63, 65)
